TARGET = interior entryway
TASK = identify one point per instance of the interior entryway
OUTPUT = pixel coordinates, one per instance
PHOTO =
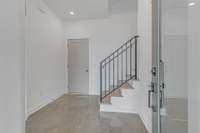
(78, 66)
(132, 84)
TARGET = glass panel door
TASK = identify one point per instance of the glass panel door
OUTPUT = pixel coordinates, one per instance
(176, 66)
(174, 54)
(194, 66)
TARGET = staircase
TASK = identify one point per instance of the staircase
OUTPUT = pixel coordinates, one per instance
(117, 70)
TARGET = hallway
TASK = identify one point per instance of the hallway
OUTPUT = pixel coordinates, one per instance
(80, 114)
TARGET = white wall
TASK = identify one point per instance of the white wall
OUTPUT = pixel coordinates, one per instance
(45, 56)
(11, 66)
(144, 31)
(193, 67)
(105, 35)
(174, 50)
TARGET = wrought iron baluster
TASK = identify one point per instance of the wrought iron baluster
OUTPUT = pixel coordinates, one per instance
(117, 67)
(126, 61)
(101, 84)
(131, 46)
(136, 74)
(109, 75)
(122, 63)
(105, 77)
(113, 71)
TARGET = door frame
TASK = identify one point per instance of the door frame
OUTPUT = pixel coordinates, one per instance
(155, 91)
(90, 65)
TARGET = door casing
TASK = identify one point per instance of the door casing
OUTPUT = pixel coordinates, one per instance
(156, 66)
(70, 41)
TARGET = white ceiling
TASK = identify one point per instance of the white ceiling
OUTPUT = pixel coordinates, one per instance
(121, 6)
(169, 4)
(83, 9)
(89, 9)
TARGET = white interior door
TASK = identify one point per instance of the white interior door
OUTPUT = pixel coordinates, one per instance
(78, 66)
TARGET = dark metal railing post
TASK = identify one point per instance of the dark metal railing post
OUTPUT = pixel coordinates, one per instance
(109, 75)
(113, 71)
(105, 77)
(101, 85)
(136, 69)
(122, 67)
(126, 61)
(117, 67)
(131, 46)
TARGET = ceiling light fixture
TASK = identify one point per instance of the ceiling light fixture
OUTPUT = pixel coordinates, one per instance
(71, 13)
(191, 4)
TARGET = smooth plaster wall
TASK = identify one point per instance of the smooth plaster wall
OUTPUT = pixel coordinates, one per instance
(45, 56)
(145, 60)
(105, 36)
(12, 119)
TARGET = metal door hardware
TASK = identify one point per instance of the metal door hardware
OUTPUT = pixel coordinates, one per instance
(150, 92)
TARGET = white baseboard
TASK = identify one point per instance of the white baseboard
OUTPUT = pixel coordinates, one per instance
(41, 105)
(116, 110)
(146, 123)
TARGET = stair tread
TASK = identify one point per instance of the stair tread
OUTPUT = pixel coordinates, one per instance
(116, 93)
(127, 86)
(106, 100)
(113, 92)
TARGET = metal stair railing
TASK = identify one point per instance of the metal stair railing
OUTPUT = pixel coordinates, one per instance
(119, 67)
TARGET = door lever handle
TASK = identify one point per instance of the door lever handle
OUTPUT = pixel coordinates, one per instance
(162, 95)
(149, 98)
(150, 92)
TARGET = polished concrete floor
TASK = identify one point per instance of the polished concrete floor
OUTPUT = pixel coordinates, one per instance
(175, 120)
(80, 114)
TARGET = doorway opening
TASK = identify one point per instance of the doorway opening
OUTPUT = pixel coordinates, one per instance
(78, 66)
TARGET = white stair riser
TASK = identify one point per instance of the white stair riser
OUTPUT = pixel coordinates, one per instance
(125, 104)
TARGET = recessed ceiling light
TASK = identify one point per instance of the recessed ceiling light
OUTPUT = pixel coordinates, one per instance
(71, 13)
(191, 4)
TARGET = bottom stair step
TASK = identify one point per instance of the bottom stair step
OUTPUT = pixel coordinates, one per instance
(127, 86)
(116, 93)
(106, 100)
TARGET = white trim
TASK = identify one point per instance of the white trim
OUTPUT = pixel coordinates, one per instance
(27, 39)
(91, 90)
(66, 67)
(110, 108)
(146, 123)
(91, 87)
(42, 104)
